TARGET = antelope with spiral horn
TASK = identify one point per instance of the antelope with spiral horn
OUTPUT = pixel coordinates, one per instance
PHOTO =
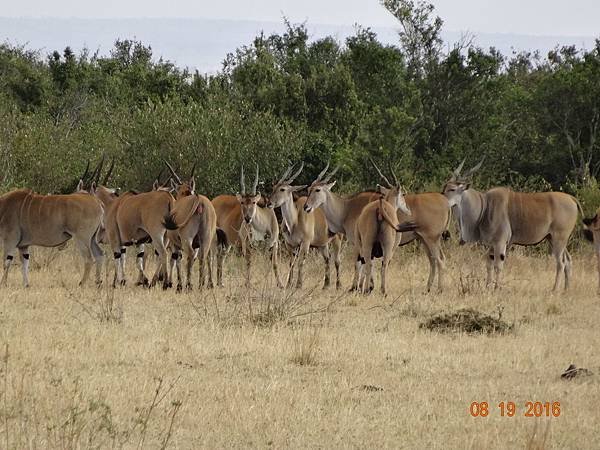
(197, 224)
(502, 217)
(304, 230)
(378, 231)
(241, 220)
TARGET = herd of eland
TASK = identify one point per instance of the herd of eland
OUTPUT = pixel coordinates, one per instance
(181, 223)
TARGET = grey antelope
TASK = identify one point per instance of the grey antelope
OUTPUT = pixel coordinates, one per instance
(378, 232)
(240, 220)
(592, 233)
(135, 218)
(197, 225)
(304, 230)
(27, 218)
(341, 213)
(501, 217)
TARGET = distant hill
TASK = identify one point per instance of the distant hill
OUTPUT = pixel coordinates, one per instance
(202, 44)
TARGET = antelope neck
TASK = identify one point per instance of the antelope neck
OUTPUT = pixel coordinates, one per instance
(335, 212)
(289, 213)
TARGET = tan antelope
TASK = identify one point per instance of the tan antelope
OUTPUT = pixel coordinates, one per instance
(303, 230)
(107, 196)
(27, 218)
(240, 220)
(430, 212)
(591, 232)
(378, 233)
(341, 213)
(501, 217)
(135, 218)
(197, 222)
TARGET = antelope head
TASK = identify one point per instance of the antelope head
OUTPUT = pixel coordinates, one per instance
(182, 188)
(317, 191)
(283, 189)
(393, 193)
(459, 183)
(248, 202)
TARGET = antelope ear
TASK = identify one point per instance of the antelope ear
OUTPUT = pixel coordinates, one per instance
(193, 185)
(467, 186)
(330, 185)
(93, 188)
(239, 197)
(298, 188)
(258, 197)
(79, 185)
(155, 185)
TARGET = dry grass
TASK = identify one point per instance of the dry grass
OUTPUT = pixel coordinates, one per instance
(236, 367)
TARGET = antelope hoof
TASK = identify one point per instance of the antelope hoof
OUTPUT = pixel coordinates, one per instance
(179, 288)
(188, 287)
(122, 283)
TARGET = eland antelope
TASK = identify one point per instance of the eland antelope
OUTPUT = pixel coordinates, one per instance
(303, 230)
(197, 224)
(27, 218)
(135, 218)
(341, 213)
(240, 220)
(501, 217)
(378, 231)
(430, 212)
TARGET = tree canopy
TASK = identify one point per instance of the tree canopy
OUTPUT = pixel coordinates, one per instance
(284, 98)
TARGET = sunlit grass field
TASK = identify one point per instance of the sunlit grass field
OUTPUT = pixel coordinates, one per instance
(263, 367)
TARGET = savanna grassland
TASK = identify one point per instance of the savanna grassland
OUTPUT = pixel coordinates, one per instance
(262, 367)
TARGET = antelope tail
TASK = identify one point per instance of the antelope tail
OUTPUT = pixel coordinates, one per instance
(587, 233)
(580, 210)
(196, 208)
(169, 222)
(383, 216)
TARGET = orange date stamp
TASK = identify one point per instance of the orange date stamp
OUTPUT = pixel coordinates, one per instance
(511, 409)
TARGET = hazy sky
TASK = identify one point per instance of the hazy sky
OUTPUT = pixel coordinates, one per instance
(543, 17)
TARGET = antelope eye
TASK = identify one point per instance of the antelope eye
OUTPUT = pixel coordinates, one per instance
(318, 190)
(282, 190)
